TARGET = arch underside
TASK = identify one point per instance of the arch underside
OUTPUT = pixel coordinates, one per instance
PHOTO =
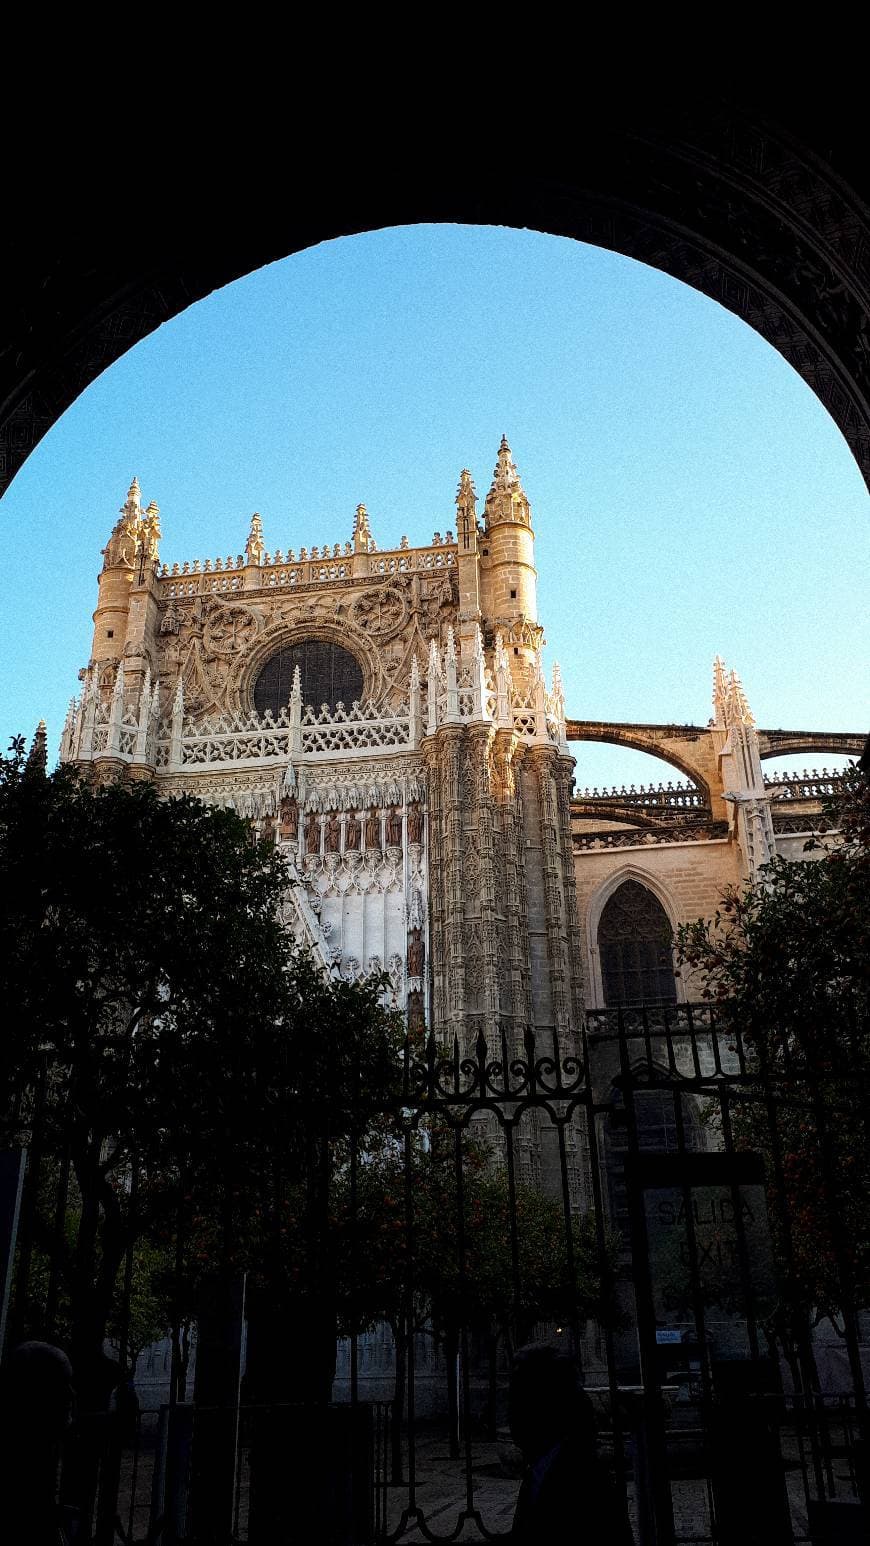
(779, 743)
(682, 746)
(753, 212)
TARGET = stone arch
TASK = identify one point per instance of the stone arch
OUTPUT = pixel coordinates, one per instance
(667, 743)
(595, 908)
(748, 203)
(779, 743)
(636, 815)
(240, 691)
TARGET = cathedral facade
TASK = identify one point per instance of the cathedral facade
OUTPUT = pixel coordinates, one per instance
(383, 716)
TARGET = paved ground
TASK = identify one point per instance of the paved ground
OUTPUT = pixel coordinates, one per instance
(442, 1499)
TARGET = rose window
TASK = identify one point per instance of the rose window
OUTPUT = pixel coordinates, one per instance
(329, 675)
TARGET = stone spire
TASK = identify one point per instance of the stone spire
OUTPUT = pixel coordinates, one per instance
(506, 500)
(739, 704)
(466, 511)
(505, 475)
(133, 503)
(254, 548)
(120, 550)
(363, 542)
(730, 704)
(37, 757)
(720, 690)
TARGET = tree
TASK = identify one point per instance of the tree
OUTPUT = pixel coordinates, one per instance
(176, 1054)
(410, 1254)
(786, 962)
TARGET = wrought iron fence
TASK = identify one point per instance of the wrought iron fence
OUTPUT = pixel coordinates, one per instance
(669, 1203)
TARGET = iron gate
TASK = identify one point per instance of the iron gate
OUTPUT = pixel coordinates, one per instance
(631, 1196)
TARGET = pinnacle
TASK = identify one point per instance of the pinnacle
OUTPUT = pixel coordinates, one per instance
(133, 502)
(254, 546)
(362, 532)
(505, 475)
(37, 757)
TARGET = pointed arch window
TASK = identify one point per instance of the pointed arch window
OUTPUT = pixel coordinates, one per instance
(634, 944)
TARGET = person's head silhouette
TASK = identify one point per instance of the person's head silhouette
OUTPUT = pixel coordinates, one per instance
(38, 1389)
(547, 1401)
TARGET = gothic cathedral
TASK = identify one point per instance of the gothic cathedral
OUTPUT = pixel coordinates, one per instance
(383, 716)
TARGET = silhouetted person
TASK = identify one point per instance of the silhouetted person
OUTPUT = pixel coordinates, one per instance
(36, 1407)
(566, 1495)
(127, 1407)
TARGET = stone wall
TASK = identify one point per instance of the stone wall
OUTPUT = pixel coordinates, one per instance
(687, 878)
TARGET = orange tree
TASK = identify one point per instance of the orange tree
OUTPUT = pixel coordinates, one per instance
(416, 1253)
(786, 962)
(180, 1056)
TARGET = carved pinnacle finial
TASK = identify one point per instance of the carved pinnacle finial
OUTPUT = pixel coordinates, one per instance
(720, 690)
(739, 700)
(466, 494)
(362, 532)
(151, 532)
(37, 757)
(506, 500)
(133, 501)
(254, 548)
(466, 510)
(505, 473)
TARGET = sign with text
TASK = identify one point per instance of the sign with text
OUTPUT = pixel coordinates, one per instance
(709, 1246)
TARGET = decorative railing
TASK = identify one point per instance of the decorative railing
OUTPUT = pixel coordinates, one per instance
(648, 837)
(248, 738)
(665, 801)
(803, 786)
(280, 570)
(359, 730)
(670, 797)
(789, 821)
(419, 558)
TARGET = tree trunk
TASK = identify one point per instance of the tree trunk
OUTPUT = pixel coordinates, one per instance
(400, 1334)
(451, 1351)
(492, 1387)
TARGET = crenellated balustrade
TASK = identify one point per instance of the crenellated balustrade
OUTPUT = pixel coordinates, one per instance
(812, 785)
(678, 796)
(314, 565)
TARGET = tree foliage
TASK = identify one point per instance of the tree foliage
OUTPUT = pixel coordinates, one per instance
(171, 1044)
(786, 962)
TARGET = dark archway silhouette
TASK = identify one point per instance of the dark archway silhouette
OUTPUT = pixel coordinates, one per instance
(763, 208)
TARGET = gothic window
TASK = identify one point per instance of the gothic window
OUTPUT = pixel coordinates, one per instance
(329, 674)
(634, 944)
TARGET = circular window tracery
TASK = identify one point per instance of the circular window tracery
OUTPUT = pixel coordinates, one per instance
(329, 675)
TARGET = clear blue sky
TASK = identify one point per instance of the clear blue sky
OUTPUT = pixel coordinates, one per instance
(689, 493)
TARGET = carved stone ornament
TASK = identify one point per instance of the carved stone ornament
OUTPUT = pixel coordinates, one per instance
(227, 629)
(471, 865)
(416, 953)
(380, 612)
(170, 622)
